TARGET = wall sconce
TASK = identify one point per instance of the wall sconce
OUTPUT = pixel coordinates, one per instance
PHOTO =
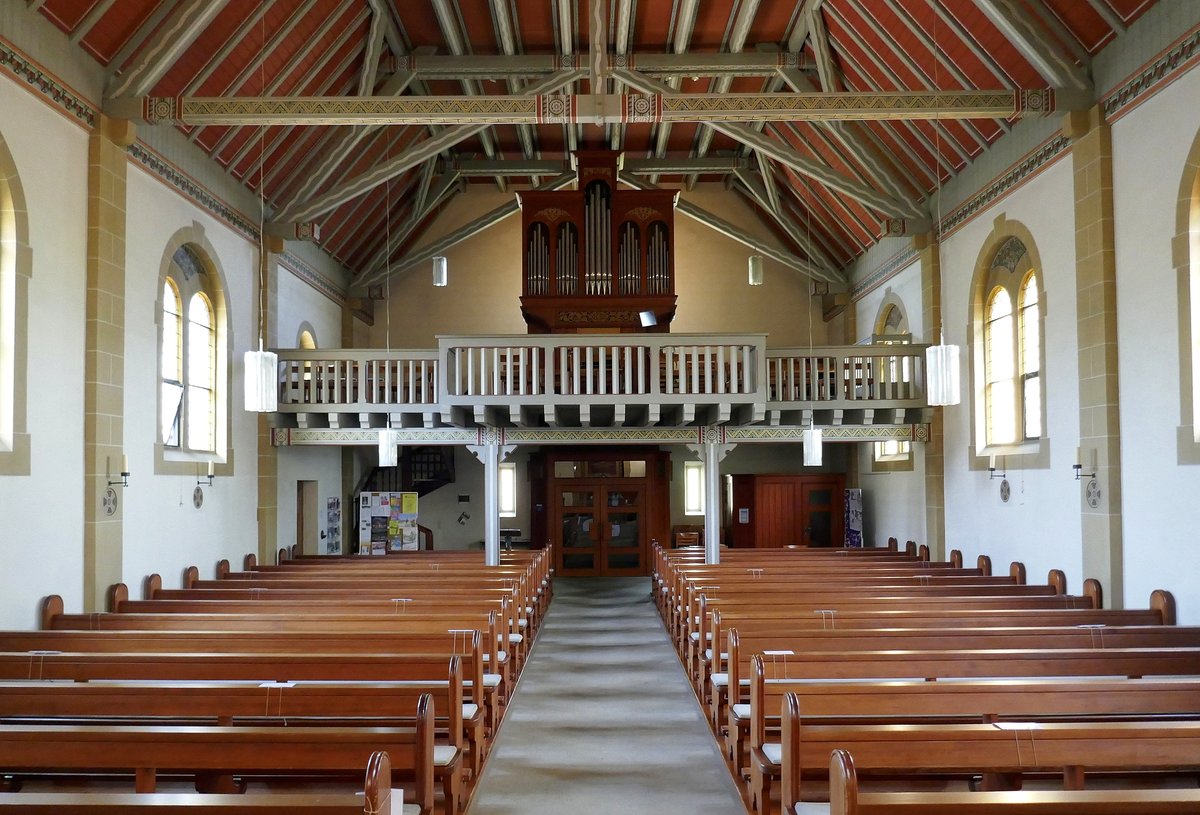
(123, 481)
(755, 268)
(992, 469)
(1078, 466)
(463, 517)
(206, 480)
(439, 271)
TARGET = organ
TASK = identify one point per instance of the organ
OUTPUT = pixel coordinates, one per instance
(598, 257)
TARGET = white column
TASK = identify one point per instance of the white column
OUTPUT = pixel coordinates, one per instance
(712, 453)
(491, 504)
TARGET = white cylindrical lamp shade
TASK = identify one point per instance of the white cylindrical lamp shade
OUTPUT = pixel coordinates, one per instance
(942, 375)
(388, 452)
(755, 266)
(262, 380)
(810, 438)
(439, 271)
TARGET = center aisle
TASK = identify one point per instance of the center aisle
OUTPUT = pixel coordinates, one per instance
(603, 720)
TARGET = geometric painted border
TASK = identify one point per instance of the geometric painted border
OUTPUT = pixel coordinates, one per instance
(717, 434)
(29, 72)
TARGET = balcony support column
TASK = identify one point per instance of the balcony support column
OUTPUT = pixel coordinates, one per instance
(490, 454)
(711, 452)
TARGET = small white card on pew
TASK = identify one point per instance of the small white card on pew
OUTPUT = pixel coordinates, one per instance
(779, 653)
(278, 685)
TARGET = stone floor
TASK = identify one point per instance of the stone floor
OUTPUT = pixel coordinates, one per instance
(603, 719)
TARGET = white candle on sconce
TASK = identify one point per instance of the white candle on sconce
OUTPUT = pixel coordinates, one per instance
(210, 469)
(124, 464)
(991, 462)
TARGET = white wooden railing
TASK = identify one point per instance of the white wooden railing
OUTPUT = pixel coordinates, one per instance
(853, 376)
(356, 380)
(662, 369)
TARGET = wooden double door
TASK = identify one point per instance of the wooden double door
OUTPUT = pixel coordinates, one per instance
(603, 509)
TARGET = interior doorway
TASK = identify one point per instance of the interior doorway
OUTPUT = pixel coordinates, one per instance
(306, 517)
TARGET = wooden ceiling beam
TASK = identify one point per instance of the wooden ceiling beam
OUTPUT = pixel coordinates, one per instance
(428, 148)
(760, 245)
(1047, 58)
(188, 20)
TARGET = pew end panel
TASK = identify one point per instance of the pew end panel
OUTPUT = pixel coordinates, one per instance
(151, 586)
(1016, 570)
(50, 607)
(1163, 602)
(984, 564)
(191, 576)
(249, 562)
(222, 569)
(1093, 589)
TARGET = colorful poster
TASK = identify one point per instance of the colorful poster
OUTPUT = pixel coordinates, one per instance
(387, 522)
(854, 518)
(333, 526)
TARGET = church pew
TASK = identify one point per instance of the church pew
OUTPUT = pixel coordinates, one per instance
(750, 652)
(149, 750)
(376, 798)
(399, 592)
(354, 644)
(256, 702)
(199, 632)
(845, 798)
(1071, 749)
(913, 700)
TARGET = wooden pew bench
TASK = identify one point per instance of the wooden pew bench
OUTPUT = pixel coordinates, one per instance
(846, 799)
(763, 706)
(261, 704)
(997, 748)
(148, 750)
(375, 799)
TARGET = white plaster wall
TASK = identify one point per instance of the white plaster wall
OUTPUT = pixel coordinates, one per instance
(893, 502)
(299, 303)
(1040, 525)
(164, 533)
(42, 545)
(1159, 521)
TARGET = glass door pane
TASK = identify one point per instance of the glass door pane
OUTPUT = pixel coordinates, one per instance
(579, 530)
(623, 545)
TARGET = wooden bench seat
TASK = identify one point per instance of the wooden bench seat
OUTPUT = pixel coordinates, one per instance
(375, 799)
(846, 799)
(149, 750)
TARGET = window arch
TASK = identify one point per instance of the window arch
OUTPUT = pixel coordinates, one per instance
(1185, 254)
(307, 339)
(193, 364)
(15, 270)
(1008, 358)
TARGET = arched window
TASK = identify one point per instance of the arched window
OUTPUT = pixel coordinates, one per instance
(998, 369)
(306, 340)
(1007, 353)
(15, 271)
(171, 353)
(192, 378)
(1031, 359)
(201, 374)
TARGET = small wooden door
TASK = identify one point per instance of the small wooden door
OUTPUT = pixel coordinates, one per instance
(822, 502)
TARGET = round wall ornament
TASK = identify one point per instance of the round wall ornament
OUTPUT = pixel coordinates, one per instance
(198, 497)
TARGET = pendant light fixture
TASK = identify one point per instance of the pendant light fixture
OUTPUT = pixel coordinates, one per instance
(388, 452)
(261, 366)
(755, 268)
(811, 439)
(942, 377)
(811, 436)
(439, 271)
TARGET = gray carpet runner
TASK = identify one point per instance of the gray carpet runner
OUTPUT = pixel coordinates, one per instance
(603, 719)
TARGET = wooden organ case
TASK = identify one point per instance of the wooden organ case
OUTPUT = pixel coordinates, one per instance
(597, 257)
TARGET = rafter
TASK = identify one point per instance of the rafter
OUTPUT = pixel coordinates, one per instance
(786, 155)
(463, 233)
(737, 41)
(1023, 32)
(430, 195)
(329, 159)
(743, 237)
(762, 191)
(506, 33)
(174, 37)
(231, 42)
(90, 19)
(382, 172)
